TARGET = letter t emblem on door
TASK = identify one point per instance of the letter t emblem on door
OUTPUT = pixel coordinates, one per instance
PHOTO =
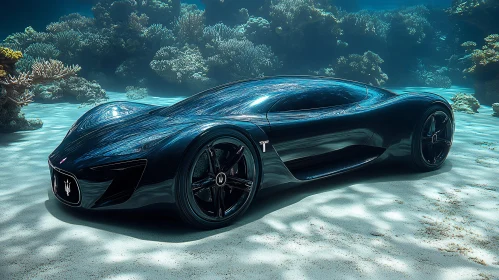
(263, 143)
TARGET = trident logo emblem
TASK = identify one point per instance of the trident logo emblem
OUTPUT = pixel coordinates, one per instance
(67, 187)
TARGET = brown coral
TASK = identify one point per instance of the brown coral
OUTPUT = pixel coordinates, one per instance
(15, 92)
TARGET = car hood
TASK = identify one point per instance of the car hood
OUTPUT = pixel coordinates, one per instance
(129, 130)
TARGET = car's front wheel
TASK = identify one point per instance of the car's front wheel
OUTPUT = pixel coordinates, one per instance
(432, 139)
(217, 180)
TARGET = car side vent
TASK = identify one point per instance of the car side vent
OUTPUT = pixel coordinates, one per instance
(125, 178)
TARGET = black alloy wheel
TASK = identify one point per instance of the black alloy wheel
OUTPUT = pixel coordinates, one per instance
(434, 139)
(220, 182)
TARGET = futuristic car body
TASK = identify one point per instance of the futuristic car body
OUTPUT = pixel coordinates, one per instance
(209, 154)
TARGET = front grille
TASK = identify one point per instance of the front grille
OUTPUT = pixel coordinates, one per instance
(65, 187)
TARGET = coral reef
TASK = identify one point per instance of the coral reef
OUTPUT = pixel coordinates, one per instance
(364, 27)
(14, 91)
(182, 65)
(135, 93)
(71, 89)
(42, 50)
(145, 42)
(231, 11)
(481, 14)
(8, 59)
(495, 108)
(365, 68)
(465, 103)
(189, 27)
(433, 76)
(238, 59)
(485, 70)
(257, 29)
(291, 19)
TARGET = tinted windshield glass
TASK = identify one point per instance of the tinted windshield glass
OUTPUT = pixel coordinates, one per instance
(335, 95)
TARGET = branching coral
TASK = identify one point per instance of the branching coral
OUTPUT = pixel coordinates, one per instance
(158, 36)
(189, 27)
(14, 92)
(432, 76)
(21, 40)
(485, 70)
(480, 14)
(42, 50)
(237, 59)
(365, 68)
(487, 58)
(47, 71)
(220, 32)
(161, 11)
(257, 29)
(70, 89)
(410, 24)
(183, 66)
(366, 24)
(290, 17)
(137, 23)
(135, 93)
(73, 21)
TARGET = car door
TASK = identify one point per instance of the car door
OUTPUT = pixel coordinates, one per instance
(317, 121)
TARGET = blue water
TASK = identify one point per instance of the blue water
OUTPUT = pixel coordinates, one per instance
(37, 13)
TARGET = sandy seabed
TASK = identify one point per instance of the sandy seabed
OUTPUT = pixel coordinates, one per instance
(376, 223)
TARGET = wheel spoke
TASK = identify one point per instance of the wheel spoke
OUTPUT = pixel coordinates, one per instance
(212, 159)
(432, 125)
(426, 140)
(431, 153)
(234, 160)
(202, 184)
(444, 141)
(240, 184)
(236, 187)
(218, 201)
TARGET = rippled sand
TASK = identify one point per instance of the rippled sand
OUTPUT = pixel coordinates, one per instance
(376, 223)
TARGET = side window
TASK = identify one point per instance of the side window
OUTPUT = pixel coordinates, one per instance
(320, 98)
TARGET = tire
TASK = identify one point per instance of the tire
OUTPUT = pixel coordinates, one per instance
(217, 179)
(432, 139)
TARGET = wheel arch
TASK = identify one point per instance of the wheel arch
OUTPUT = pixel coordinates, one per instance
(189, 137)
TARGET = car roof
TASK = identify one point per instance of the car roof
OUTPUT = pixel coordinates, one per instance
(252, 96)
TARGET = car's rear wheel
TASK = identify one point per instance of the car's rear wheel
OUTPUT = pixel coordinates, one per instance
(432, 139)
(218, 179)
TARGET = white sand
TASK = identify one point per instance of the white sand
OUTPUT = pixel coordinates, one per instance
(374, 223)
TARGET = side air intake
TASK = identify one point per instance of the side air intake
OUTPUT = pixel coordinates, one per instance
(125, 179)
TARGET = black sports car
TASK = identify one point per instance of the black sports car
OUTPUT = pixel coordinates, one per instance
(209, 154)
